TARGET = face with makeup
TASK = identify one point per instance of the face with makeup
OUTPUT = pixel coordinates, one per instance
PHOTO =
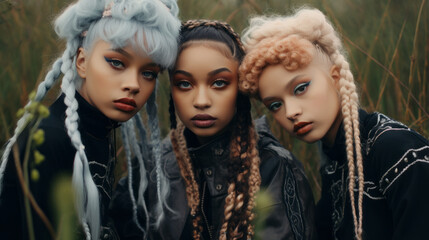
(305, 102)
(117, 81)
(204, 87)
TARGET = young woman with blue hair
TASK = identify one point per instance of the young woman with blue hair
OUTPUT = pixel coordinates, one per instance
(114, 52)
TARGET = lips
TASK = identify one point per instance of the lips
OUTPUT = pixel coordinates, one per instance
(125, 104)
(302, 128)
(203, 120)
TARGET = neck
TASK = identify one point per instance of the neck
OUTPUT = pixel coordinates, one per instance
(329, 138)
(205, 139)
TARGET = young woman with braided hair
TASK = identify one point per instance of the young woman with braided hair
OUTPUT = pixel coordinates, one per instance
(115, 50)
(215, 158)
(296, 66)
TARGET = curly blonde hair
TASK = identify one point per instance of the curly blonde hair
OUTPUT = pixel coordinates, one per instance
(290, 41)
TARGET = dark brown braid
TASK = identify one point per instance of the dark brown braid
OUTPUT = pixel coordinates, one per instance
(194, 23)
(244, 175)
(172, 111)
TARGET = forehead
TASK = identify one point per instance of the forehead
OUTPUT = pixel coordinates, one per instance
(201, 58)
(276, 77)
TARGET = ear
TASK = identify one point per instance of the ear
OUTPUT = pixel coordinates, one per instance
(81, 63)
(335, 75)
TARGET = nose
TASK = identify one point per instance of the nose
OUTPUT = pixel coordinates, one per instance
(292, 109)
(131, 83)
(202, 99)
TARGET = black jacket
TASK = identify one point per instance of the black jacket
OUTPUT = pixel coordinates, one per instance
(291, 212)
(396, 189)
(98, 138)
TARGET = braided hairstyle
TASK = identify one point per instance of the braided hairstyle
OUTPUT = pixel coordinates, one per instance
(244, 178)
(290, 41)
(149, 26)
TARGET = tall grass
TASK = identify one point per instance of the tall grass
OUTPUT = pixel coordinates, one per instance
(387, 42)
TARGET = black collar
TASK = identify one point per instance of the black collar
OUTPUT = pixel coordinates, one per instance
(91, 120)
(209, 154)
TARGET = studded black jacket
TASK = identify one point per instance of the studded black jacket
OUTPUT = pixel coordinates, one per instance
(396, 188)
(290, 213)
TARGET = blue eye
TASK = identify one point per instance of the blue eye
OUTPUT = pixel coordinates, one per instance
(149, 75)
(219, 83)
(301, 88)
(274, 106)
(114, 63)
(184, 85)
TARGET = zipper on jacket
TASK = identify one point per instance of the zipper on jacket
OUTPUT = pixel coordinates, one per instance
(202, 210)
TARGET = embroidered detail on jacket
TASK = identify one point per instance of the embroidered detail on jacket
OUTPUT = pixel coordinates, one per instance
(338, 194)
(293, 206)
(411, 157)
(371, 190)
(383, 124)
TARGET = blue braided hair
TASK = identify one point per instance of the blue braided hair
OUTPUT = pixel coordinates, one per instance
(149, 26)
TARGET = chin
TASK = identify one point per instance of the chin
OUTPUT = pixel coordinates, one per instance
(204, 132)
(308, 139)
(121, 117)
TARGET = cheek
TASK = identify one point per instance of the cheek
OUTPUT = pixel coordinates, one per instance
(283, 121)
(180, 103)
(325, 101)
(229, 103)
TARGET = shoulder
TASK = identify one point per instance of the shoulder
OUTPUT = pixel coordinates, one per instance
(270, 149)
(384, 133)
(393, 149)
(283, 176)
(171, 168)
(389, 139)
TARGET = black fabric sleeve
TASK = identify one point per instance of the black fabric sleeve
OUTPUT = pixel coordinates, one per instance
(402, 159)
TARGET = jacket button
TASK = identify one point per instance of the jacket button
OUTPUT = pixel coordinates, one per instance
(219, 187)
(218, 151)
(209, 172)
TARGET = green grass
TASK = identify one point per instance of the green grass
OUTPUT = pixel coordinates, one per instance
(387, 42)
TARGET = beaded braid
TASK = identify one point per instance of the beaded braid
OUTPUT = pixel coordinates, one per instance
(315, 31)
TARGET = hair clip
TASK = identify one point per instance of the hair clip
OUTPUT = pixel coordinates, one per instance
(108, 10)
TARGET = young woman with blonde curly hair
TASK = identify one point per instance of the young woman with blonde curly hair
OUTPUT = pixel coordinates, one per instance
(297, 67)
(216, 159)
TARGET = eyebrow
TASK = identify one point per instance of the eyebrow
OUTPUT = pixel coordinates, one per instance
(294, 79)
(126, 54)
(122, 51)
(182, 72)
(214, 72)
(211, 73)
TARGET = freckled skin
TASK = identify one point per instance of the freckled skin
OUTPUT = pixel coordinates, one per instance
(125, 74)
(317, 103)
(205, 82)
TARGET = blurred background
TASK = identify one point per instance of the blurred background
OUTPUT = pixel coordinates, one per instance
(387, 42)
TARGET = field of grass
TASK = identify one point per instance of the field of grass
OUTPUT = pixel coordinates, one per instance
(387, 42)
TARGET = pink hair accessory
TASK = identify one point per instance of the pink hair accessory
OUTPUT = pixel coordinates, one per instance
(108, 10)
